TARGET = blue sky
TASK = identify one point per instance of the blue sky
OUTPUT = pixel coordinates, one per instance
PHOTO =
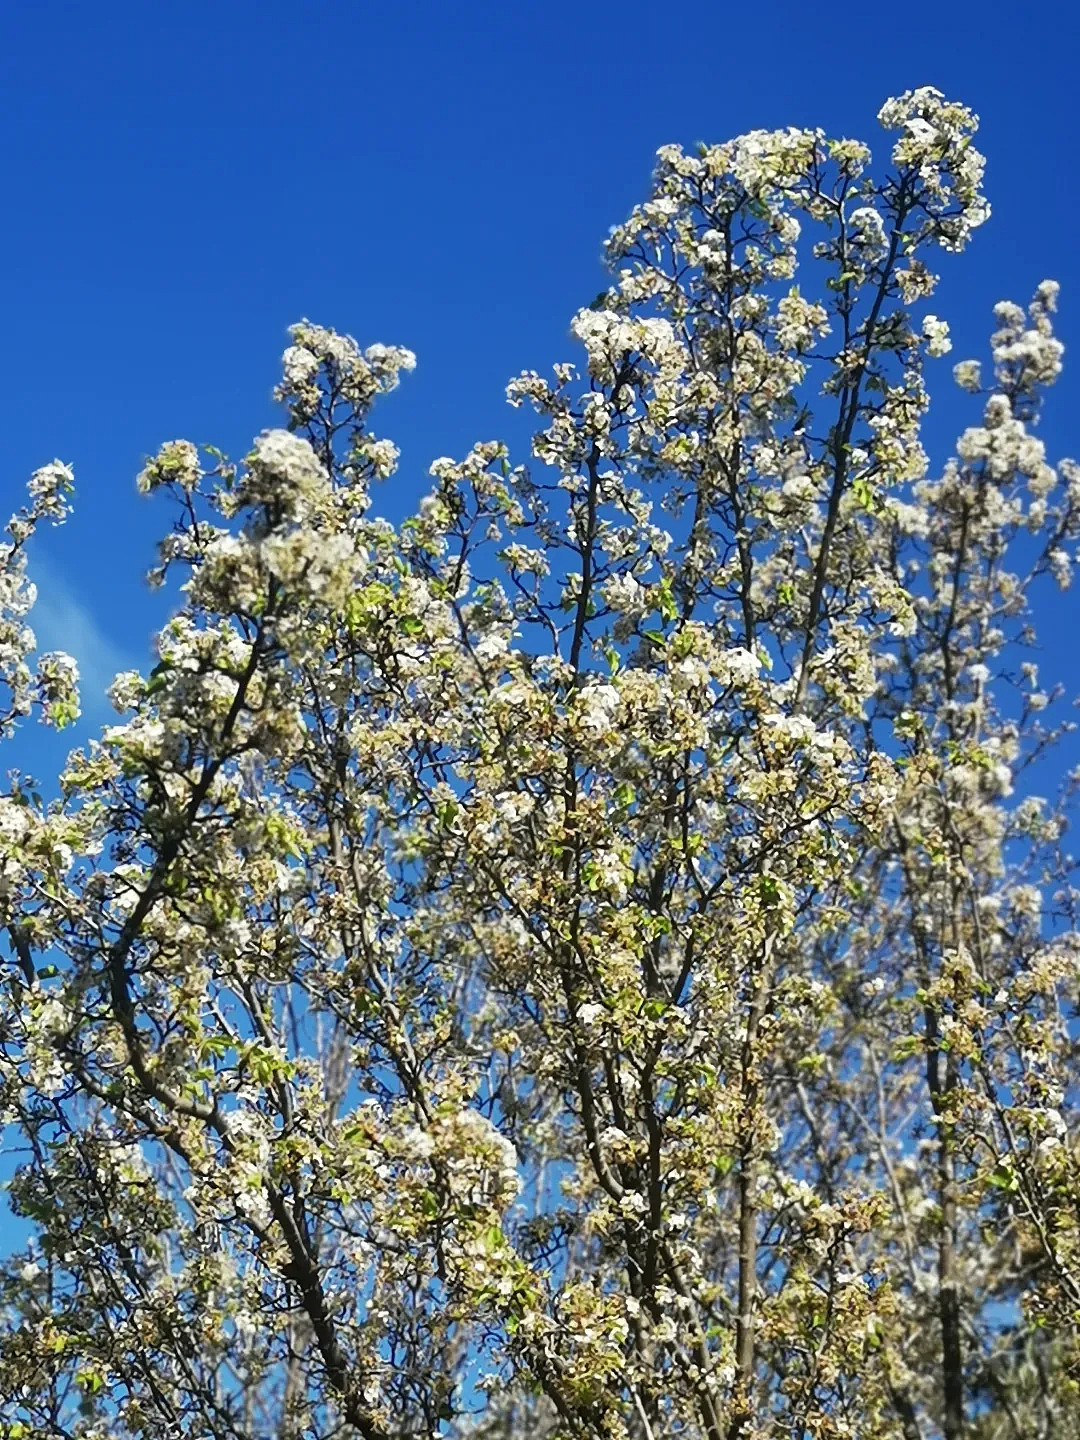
(185, 180)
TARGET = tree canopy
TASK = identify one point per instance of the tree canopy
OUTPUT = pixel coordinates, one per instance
(588, 960)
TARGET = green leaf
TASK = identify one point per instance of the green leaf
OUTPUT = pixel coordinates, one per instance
(1003, 1177)
(768, 889)
(665, 600)
(908, 1046)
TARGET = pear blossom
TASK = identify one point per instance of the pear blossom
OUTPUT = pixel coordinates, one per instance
(936, 334)
(587, 959)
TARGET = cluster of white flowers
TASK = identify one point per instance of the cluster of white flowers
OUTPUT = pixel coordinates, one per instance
(351, 376)
(800, 489)
(968, 375)
(936, 334)
(799, 322)
(868, 232)
(936, 143)
(479, 1162)
(691, 673)
(764, 159)
(738, 666)
(381, 455)
(58, 688)
(609, 337)
(283, 472)
(1027, 355)
(126, 690)
(324, 566)
(17, 639)
(1003, 444)
(626, 594)
(596, 707)
(49, 489)
(176, 463)
(299, 366)
(53, 687)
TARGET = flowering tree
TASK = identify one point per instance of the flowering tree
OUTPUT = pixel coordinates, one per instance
(575, 964)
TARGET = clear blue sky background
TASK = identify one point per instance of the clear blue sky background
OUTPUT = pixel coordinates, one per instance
(185, 180)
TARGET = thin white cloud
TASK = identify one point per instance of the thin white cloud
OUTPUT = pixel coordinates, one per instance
(61, 620)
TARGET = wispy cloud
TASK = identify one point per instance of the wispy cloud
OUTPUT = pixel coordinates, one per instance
(62, 620)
